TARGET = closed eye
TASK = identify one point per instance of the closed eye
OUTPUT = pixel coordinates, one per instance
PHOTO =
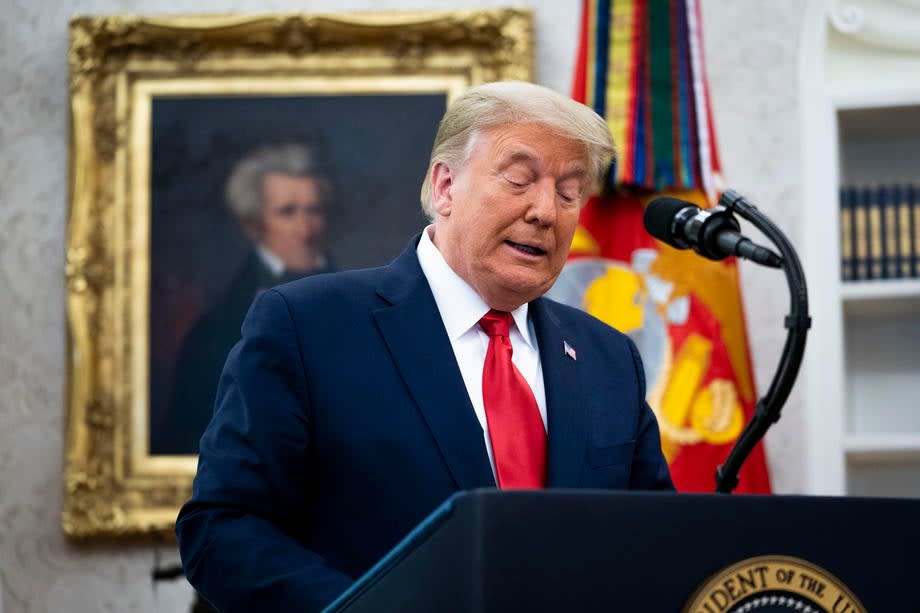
(569, 190)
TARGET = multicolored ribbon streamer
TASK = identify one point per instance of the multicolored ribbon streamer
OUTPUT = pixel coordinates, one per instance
(641, 67)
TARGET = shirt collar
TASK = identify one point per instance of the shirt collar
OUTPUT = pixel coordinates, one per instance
(460, 306)
(276, 264)
(272, 261)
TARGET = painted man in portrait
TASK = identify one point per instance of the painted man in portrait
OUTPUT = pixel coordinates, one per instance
(280, 195)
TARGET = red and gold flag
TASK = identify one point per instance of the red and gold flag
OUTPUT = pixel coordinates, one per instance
(640, 65)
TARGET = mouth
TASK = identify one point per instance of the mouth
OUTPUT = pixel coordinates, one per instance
(525, 248)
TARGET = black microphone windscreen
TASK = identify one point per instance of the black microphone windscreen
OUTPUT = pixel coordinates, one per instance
(659, 216)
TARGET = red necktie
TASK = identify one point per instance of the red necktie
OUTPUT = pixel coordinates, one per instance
(515, 425)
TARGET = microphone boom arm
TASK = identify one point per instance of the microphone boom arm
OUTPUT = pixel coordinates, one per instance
(769, 407)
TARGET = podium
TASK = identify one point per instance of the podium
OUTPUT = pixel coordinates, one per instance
(574, 550)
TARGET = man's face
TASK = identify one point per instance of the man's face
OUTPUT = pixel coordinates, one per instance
(293, 220)
(505, 218)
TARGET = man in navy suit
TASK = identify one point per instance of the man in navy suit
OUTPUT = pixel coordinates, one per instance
(357, 402)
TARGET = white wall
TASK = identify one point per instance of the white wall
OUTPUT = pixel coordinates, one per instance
(751, 49)
(752, 58)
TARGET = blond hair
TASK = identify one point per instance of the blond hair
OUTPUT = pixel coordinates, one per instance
(491, 105)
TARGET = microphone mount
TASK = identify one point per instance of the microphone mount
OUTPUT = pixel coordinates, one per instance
(797, 322)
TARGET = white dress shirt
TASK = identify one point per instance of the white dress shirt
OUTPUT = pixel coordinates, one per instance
(271, 261)
(276, 264)
(461, 309)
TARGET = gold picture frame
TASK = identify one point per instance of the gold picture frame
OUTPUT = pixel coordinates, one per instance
(114, 486)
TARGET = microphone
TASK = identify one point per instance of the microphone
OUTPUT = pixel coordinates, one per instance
(713, 233)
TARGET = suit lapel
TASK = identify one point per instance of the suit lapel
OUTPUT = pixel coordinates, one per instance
(414, 333)
(565, 408)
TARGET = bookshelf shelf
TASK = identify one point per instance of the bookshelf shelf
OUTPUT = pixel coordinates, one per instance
(854, 291)
(882, 448)
(896, 297)
(885, 464)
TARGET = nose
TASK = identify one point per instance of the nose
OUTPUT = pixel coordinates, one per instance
(542, 208)
(304, 225)
(307, 223)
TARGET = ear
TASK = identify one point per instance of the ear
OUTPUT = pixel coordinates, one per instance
(442, 180)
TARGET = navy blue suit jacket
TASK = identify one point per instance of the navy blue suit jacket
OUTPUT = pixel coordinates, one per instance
(342, 420)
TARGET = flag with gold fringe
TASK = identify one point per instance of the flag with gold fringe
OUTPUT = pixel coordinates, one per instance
(640, 65)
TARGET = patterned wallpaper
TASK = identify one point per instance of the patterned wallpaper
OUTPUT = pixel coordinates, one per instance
(753, 72)
(752, 58)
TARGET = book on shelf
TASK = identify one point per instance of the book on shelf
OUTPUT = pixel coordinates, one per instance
(879, 232)
(913, 204)
(847, 265)
(875, 238)
(905, 231)
(859, 235)
(890, 230)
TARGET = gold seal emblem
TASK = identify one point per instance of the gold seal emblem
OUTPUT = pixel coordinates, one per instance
(773, 584)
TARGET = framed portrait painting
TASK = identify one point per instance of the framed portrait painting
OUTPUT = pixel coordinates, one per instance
(213, 157)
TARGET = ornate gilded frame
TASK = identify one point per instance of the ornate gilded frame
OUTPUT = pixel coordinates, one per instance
(114, 488)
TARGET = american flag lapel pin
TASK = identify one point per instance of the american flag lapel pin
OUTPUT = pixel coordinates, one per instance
(567, 349)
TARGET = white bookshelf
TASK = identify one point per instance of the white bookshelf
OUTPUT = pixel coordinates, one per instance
(853, 292)
(860, 125)
(885, 448)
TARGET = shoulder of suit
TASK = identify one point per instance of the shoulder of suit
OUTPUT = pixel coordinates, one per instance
(572, 318)
(348, 285)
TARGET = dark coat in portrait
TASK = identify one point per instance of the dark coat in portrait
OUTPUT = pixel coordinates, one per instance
(205, 350)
